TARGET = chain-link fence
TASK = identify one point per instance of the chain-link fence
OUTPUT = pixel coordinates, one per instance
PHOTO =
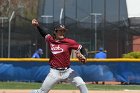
(114, 36)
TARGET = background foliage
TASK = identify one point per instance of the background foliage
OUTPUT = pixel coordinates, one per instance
(26, 8)
(132, 55)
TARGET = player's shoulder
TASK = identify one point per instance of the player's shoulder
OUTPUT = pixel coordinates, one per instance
(69, 40)
(48, 35)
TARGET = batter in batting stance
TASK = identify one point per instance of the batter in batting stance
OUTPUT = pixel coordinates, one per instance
(60, 48)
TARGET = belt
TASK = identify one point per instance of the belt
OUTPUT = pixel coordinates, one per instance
(65, 68)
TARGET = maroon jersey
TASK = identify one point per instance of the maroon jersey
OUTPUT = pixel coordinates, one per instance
(61, 51)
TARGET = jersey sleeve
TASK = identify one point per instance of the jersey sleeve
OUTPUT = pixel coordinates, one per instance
(48, 37)
(74, 45)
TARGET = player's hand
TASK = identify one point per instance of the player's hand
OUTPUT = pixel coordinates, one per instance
(81, 57)
(35, 22)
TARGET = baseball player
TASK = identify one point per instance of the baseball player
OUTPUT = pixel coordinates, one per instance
(60, 48)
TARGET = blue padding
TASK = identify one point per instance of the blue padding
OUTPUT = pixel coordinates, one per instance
(92, 71)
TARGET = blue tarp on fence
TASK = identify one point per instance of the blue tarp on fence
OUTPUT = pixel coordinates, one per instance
(91, 71)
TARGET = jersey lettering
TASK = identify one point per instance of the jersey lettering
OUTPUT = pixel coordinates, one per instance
(56, 49)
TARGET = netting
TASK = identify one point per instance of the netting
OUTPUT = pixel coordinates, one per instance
(114, 35)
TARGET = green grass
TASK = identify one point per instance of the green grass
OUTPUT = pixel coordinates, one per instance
(26, 85)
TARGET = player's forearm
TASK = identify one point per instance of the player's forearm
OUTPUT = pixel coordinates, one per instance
(41, 31)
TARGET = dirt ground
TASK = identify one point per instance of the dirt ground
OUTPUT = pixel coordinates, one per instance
(69, 91)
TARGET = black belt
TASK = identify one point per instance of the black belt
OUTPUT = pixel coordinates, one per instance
(65, 68)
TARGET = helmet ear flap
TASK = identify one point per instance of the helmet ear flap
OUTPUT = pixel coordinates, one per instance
(54, 34)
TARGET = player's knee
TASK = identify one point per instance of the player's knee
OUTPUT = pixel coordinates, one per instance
(81, 83)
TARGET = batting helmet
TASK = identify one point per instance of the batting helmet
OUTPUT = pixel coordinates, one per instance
(60, 27)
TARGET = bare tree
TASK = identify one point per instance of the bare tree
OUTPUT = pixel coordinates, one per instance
(26, 8)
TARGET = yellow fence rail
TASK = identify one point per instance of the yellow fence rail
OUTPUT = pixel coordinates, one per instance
(72, 60)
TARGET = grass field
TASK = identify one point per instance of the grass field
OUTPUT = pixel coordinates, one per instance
(28, 85)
